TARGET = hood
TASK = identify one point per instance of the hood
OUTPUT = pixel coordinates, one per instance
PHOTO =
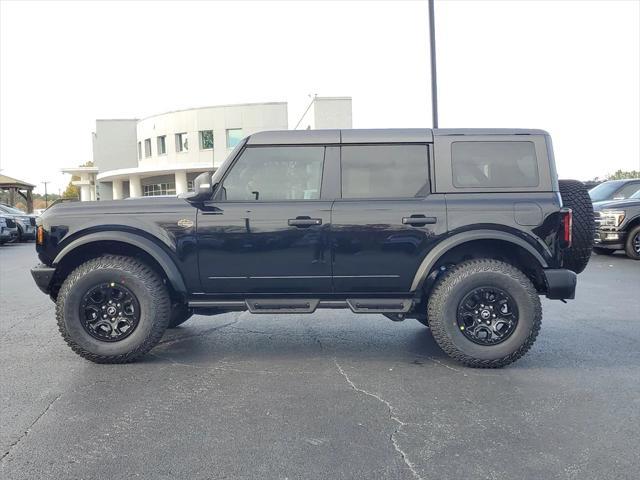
(130, 206)
(617, 204)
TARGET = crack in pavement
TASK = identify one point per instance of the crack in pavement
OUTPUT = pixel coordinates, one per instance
(28, 430)
(198, 334)
(392, 416)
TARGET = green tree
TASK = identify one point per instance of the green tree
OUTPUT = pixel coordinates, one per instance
(72, 191)
(622, 174)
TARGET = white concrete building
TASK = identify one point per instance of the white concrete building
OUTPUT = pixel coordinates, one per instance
(162, 154)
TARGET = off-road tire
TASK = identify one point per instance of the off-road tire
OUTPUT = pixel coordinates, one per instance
(604, 251)
(179, 315)
(576, 197)
(146, 285)
(628, 246)
(455, 284)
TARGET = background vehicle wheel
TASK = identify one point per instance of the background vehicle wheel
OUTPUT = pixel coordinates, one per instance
(576, 197)
(179, 315)
(603, 251)
(632, 246)
(112, 309)
(485, 313)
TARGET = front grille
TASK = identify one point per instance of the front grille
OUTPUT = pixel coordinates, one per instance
(10, 222)
(32, 221)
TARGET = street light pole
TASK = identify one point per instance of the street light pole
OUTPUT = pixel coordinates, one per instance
(434, 83)
(46, 197)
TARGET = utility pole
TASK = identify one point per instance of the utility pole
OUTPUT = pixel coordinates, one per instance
(434, 83)
(46, 196)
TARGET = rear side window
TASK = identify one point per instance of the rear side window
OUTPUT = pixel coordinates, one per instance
(384, 171)
(494, 164)
(275, 174)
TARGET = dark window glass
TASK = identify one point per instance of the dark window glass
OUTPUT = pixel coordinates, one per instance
(494, 164)
(206, 139)
(275, 173)
(385, 171)
(626, 191)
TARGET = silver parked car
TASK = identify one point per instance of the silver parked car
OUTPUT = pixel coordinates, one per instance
(8, 229)
(26, 223)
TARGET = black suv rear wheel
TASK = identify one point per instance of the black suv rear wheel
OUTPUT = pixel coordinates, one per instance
(485, 313)
(112, 309)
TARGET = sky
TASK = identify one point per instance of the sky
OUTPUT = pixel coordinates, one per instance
(569, 67)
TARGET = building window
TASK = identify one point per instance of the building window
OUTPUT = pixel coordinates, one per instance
(234, 135)
(156, 189)
(206, 139)
(162, 145)
(139, 150)
(182, 143)
(190, 186)
(147, 147)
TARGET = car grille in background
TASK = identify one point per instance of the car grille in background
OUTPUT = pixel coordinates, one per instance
(10, 222)
(33, 221)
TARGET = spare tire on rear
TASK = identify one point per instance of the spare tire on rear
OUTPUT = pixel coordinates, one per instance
(576, 197)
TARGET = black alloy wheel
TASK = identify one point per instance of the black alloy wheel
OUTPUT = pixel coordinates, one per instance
(109, 312)
(487, 315)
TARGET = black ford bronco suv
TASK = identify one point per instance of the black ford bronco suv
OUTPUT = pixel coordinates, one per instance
(459, 229)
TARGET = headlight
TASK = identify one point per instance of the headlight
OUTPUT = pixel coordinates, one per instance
(612, 217)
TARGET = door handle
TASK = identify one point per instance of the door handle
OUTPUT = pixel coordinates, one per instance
(304, 221)
(418, 220)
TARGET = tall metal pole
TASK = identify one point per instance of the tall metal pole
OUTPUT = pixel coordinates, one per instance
(434, 83)
(46, 196)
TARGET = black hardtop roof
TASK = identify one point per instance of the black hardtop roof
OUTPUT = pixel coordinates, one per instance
(374, 135)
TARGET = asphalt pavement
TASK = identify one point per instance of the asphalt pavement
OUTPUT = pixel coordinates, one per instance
(331, 395)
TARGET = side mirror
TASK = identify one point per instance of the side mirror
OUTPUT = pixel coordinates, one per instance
(202, 189)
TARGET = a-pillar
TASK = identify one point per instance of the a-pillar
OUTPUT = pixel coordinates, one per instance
(181, 182)
(116, 188)
(135, 186)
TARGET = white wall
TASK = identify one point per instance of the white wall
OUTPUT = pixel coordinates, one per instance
(114, 144)
(250, 118)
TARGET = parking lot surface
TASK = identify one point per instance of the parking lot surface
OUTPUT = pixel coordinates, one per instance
(329, 395)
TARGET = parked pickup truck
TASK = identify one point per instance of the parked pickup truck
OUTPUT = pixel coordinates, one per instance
(618, 226)
(462, 230)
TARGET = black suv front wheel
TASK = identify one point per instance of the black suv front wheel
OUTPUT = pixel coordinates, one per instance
(485, 313)
(112, 309)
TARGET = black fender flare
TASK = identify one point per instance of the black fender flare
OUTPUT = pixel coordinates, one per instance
(157, 253)
(458, 239)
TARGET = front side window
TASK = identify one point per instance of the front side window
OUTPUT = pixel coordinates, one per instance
(147, 147)
(162, 145)
(385, 171)
(494, 164)
(234, 135)
(206, 139)
(182, 143)
(275, 174)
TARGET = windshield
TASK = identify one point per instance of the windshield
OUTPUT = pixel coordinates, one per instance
(604, 191)
(8, 209)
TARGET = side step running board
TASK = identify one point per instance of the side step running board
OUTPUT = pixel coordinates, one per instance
(308, 305)
(379, 305)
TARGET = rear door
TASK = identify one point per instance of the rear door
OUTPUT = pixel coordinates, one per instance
(386, 219)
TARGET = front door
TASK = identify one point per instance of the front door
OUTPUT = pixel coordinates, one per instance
(267, 229)
(386, 221)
